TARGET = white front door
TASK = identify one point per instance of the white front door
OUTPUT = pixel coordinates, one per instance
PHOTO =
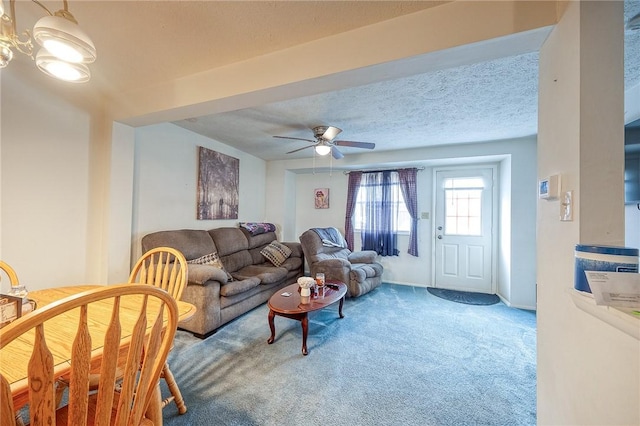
(463, 230)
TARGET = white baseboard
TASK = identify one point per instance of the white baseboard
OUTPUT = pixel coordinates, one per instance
(407, 284)
(512, 305)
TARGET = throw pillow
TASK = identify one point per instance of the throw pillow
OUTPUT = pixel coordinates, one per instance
(276, 253)
(211, 259)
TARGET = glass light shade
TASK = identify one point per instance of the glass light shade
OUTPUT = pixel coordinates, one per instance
(6, 54)
(62, 50)
(67, 71)
(1, 8)
(323, 149)
(64, 39)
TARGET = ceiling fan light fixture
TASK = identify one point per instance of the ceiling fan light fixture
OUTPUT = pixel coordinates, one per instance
(326, 132)
(323, 149)
(62, 70)
(324, 143)
(63, 38)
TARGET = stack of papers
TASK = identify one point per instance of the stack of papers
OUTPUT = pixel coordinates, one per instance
(621, 289)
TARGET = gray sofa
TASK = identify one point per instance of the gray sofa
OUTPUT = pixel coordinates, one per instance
(217, 298)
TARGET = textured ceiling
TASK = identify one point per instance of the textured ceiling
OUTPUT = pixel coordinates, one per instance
(472, 103)
(146, 43)
(485, 101)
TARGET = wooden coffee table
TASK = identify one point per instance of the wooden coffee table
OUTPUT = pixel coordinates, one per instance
(293, 307)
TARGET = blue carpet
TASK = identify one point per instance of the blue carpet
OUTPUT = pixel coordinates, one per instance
(466, 297)
(401, 356)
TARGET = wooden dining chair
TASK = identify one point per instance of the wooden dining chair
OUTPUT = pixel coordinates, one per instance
(11, 273)
(155, 320)
(16, 288)
(165, 268)
(162, 267)
(13, 280)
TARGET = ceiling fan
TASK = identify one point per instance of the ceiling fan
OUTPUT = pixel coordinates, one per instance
(325, 143)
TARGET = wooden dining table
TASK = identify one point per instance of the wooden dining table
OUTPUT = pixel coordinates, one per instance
(15, 357)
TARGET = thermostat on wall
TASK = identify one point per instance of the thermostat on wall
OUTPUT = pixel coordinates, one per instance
(549, 188)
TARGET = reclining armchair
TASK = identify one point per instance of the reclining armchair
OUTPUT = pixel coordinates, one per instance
(326, 251)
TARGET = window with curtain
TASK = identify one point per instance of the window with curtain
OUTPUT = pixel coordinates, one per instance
(399, 214)
(379, 205)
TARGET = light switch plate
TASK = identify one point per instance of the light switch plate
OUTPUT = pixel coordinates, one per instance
(566, 206)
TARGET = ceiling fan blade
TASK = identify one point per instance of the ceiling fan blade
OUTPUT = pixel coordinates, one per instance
(331, 133)
(336, 153)
(296, 139)
(365, 145)
(300, 149)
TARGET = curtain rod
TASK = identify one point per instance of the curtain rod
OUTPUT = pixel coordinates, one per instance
(384, 170)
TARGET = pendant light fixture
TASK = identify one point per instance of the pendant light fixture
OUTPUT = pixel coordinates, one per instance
(66, 49)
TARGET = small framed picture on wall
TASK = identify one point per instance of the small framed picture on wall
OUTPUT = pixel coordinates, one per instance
(321, 197)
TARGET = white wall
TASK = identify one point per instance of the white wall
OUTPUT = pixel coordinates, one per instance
(504, 238)
(307, 216)
(120, 203)
(165, 182)
(52, 192)
(1, 286)
(522, 219)
(588, 371)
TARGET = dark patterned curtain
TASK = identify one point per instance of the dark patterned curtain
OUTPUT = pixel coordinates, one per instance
(379, 233)
(410, 194)
(352, 196)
